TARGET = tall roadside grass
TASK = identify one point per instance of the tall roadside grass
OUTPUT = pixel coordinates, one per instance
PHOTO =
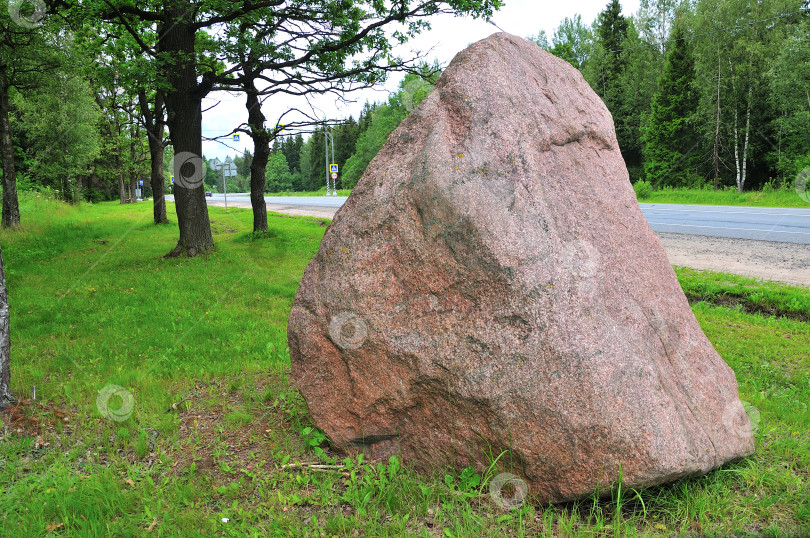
(727, 196)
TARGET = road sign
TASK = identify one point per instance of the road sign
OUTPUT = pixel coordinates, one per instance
(333, 168)
(141, 183)
(236, 138)
(228, 168)
(172, 180)
(279, 128)
(334, 175)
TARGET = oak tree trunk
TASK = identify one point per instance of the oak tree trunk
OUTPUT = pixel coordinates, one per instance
(184, 117)
(121, 188)
(133, 173)
(261, 154)
(154, 130)
(5, 342)
(11, 206)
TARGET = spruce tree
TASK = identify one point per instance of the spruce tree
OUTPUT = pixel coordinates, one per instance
(605, 71)
(611, 29)
(669, 137)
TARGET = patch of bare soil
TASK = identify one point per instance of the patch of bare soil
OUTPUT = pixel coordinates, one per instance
(747, 307)
(33, 418)
(222, 429)
(218, 228)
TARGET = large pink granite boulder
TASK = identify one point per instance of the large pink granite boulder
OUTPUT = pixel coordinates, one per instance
(492, 285)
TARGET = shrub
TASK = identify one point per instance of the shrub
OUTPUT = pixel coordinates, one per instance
(643, 189)
(93, 195)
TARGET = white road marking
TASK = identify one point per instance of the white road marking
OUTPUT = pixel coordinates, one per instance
(722, 228)
(726, 212)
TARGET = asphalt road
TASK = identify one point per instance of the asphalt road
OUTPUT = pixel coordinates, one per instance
(313, 201)
(759, 223)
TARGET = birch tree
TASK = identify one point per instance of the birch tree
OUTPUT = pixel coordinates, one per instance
(5, 342)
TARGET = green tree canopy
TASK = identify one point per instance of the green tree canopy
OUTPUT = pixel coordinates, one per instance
(279, 178)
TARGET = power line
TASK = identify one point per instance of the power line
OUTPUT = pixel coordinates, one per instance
(496, 26)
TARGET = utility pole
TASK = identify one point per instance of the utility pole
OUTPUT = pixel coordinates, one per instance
(334, 185)
(327, 137)
(228, 170)
(225, 186)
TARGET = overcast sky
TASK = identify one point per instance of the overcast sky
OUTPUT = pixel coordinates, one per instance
(448, 36)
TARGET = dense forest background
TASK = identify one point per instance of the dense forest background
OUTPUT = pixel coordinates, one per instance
(705, 93)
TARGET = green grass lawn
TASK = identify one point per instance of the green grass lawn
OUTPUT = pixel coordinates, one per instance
(216, 441)
(772, 198)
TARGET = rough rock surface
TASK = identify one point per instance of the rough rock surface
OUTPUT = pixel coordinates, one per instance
(491, 285)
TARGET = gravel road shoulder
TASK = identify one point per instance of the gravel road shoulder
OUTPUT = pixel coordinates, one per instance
(781, 262)
(320, 212)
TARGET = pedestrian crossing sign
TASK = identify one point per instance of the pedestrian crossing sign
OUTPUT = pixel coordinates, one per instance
(333, 168)
(236, 138)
